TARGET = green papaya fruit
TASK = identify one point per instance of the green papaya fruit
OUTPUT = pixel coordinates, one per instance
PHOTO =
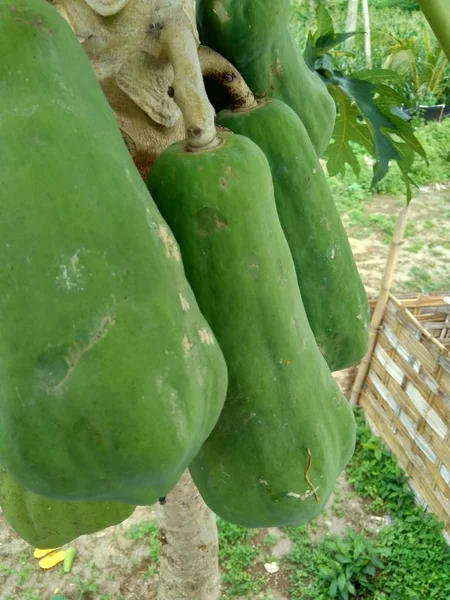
(254, 35)
(47, 523)
(332, 291)
(111, 377)
(286, 431)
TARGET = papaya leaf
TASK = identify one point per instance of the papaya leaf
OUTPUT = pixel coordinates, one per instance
(324, 22)
(326, 42)
(310, 55)
(361, 92)
(347, 129)
(376, 75)
(369, 111)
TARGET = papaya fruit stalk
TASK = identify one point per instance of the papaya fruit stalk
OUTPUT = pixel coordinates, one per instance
(228, 80)
(133, 67)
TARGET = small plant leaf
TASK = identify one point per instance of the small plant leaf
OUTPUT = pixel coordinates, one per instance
(342, 581)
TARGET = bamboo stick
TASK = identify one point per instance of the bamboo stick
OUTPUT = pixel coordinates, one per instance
(382, 301)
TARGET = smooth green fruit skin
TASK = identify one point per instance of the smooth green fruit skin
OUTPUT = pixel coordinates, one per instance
(282, 399)
(47, 523)
(332, 291)
(110, 376)
(254, 35)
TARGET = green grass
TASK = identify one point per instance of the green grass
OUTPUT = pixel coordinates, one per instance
(236, 554)
(144, 530)
(421, 279)
(409, 560)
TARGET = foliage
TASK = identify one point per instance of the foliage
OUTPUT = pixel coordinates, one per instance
(354, 566)
(334, 567)
(405, 28)
(408, 560)
(419, 559)
(407, 5)
(235, 555)
(146, 529)
(368, 110)
(423, 68)
(375, 473)
(350, 190)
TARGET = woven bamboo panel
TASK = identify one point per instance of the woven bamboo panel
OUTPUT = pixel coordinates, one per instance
(406, 394)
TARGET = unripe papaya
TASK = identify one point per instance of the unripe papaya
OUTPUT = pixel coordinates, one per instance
(332, 291)
(47, 523)
(286, 431)
(254, 35)
(111, 377)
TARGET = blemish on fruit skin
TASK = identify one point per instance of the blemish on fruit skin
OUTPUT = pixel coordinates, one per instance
(187, 346)
(221, 12)
(206, 337)
(70, 277)
(172, 250)
(304, 496)
(77, 351)
(184, 303)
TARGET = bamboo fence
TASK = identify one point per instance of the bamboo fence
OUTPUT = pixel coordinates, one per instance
(405, 394)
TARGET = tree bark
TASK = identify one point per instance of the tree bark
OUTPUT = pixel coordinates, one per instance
(188, 561)
(367, 38)
(352, 20)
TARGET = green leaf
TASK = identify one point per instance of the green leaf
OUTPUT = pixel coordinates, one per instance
(347, 129)
(377, 563)
(333, 588)
(351, 588)
(341, 582)
(344, 594)
(362, 94)
(310, 54)
(375, 75)
(328, 41)
(369, 111)
(343, 559)
(324, 22)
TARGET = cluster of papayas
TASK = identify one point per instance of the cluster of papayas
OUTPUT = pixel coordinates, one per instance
(193, 321)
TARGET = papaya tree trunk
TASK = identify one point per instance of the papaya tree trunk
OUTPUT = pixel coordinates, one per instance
(189, 568)
(437, 13)
(367, 38)
(352, 20)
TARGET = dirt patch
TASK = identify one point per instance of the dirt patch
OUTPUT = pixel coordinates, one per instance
(109, 566)
(425, 254)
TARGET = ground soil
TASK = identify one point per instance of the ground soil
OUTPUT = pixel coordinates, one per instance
(117, 568)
